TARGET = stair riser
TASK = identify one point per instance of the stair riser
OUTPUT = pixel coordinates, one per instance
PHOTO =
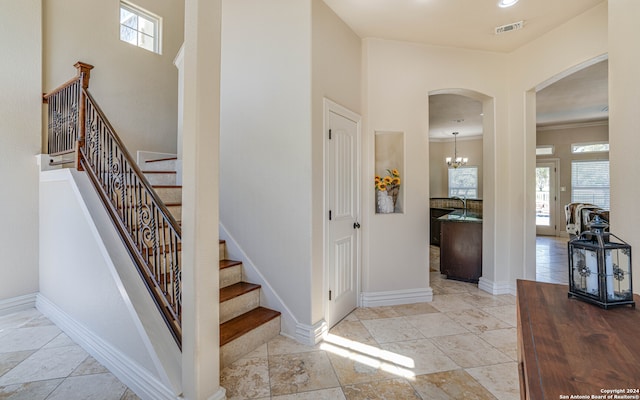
(236, 349)
(176, 211)
(164, 165)
(170, 194)
(230, 276)
(223, 252)
(239, 305)
(161, 179)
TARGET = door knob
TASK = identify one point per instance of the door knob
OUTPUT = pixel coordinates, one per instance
(356, 225)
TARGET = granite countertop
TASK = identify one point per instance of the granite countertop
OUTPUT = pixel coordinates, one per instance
(462, 216)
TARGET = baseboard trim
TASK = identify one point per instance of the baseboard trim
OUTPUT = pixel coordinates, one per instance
(396, 297)
(19, 303)
(311, 334)
(221, 394)
(496, 288)
(128, 371)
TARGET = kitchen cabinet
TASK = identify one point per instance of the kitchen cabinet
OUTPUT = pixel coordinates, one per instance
(461, 246)
(435, 224)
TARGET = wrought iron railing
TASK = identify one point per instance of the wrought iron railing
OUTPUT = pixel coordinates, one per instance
(147, 228)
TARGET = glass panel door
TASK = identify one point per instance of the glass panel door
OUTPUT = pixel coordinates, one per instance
(546, 198)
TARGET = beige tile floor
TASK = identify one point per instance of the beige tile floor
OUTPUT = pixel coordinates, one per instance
(38, 361)
(460, 346)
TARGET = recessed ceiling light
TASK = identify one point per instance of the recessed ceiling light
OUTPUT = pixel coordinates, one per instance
(506, 3)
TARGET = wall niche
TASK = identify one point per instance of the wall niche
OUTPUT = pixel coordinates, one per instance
(389, 172)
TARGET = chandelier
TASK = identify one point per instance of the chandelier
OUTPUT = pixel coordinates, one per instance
(456, 161)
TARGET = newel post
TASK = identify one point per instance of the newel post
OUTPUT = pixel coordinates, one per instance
(84, 72)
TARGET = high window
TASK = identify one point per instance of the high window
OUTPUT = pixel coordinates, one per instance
(139, 27)
(544, 150)
(463, 181)
(590, 182)
(595, 147)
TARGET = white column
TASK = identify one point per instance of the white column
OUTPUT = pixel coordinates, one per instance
(179, 63)
(624, 103)
(201, 133)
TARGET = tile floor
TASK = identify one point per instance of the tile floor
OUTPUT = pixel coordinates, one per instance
(551, 259)
(38, 361)
(460, 346)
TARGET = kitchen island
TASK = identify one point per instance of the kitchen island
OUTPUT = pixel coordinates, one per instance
(461, 245)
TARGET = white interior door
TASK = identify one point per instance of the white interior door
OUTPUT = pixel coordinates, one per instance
(343, 201)
(546, 198)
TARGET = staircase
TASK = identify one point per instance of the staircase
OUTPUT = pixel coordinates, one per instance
(244, 324)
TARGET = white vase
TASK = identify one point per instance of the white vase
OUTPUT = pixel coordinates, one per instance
(384, 203)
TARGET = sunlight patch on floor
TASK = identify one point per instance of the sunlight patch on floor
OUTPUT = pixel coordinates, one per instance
(371, 356)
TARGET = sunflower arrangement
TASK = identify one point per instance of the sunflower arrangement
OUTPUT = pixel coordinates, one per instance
(389, 182)
(387, 189)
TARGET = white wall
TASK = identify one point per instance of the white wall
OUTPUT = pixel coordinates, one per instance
(336, 75)
(137, 89)
(277, 68)
(578, 41)
(624, 120)
(20, 138)
(265, 141)
(92, 290)
(398, 77)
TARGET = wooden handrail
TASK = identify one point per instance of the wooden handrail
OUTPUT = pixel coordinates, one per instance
(147, 228)
(66, 105)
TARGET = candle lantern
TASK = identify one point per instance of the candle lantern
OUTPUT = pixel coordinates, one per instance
(600, 267)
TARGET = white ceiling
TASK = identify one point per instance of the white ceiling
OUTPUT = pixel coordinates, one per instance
(456, 23)
(470, 24)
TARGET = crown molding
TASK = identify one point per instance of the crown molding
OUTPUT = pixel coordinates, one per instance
(572, 125)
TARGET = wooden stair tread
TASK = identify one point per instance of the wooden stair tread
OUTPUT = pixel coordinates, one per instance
(167, 186)
(221, 241)
(237, 289)
(229, 263)
(159, 172)
(244, 323)
(172, 204)
(162, 159)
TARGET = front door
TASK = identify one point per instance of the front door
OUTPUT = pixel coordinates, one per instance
(546, 198)
(343, 201)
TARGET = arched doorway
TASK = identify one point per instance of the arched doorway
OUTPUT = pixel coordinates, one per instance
(567, 113)
(485, 125)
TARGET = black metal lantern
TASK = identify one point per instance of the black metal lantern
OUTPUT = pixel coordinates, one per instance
(600, 267)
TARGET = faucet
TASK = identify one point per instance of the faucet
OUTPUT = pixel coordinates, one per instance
(463, 200)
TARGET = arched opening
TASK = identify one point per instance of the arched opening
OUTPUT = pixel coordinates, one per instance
(472, 115)
(567, 137)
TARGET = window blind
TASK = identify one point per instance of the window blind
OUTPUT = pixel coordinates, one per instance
(590, 182)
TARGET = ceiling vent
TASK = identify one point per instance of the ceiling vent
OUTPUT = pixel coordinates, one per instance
(509, 27)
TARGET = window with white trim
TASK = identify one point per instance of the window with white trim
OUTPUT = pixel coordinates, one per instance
(590, 182)
(544, 150)
(463, 182)
(139, 27)
(592, 147)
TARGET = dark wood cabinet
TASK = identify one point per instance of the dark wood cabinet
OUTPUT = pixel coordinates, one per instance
(435, 224)
(461, 249)
(568, 347)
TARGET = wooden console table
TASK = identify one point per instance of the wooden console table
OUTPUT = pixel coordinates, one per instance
(568, 347)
